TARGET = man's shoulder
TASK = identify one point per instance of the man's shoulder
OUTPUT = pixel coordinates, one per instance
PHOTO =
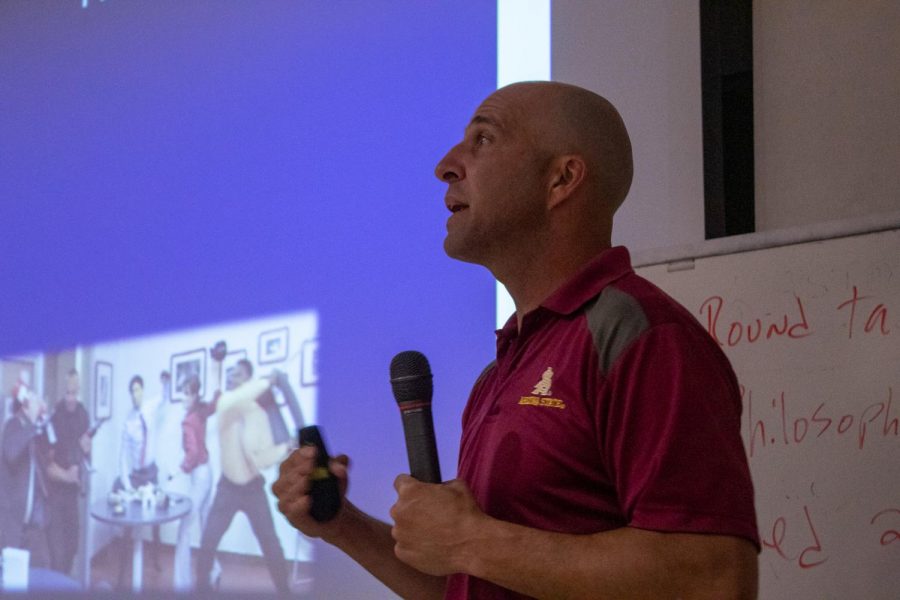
(627, 310)
(634, 298)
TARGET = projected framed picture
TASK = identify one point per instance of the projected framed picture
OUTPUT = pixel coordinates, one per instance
(185, 365)
(309, 363)
(103, 373)
(229, 364)
(273, 346)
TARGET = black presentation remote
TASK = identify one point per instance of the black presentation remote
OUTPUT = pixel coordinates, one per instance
(326, 497)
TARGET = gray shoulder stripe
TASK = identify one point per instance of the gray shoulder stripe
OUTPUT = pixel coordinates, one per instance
(615, 319)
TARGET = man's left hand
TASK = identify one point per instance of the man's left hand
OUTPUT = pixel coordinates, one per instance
(433, 524)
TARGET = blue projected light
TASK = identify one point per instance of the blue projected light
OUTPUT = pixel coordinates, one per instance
(174, 174)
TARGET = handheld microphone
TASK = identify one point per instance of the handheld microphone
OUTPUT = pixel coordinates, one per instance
(412, 386)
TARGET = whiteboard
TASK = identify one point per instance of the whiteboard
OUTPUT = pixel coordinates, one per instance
(813, 332)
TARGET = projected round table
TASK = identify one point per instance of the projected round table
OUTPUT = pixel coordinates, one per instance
(137, 517)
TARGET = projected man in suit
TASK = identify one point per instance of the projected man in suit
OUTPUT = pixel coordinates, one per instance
(601, 454)
(137, 460)
(137, 457)
(23, 478)
(246, 446)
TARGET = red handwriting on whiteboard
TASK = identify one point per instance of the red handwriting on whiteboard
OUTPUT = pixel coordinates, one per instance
(877, 316)
(889, 536)
(811, 556)
(754, 330)
(778, 423)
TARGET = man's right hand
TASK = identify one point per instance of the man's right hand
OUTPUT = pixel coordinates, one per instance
(292, 490)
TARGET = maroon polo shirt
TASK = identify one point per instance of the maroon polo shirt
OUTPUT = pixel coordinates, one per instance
(611, 407)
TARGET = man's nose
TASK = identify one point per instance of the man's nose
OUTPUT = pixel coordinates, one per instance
(449, 168)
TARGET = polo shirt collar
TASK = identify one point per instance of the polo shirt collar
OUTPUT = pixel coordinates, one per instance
(608, 266)
(605, 268)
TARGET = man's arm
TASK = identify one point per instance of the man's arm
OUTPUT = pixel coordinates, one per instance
(266, 456)
(368, 541)
(283, 384)
(440, 530)
(232, 402)
(365, 539)
(58, 473)
(623, 563)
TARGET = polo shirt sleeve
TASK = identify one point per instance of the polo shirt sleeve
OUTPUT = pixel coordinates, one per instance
(670, 418)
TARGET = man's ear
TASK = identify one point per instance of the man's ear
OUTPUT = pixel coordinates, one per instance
(567, 172)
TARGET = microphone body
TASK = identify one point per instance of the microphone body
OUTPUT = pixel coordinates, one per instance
(412, 386)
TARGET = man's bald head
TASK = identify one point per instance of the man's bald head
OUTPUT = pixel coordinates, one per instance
(535, 180)
(567, 119)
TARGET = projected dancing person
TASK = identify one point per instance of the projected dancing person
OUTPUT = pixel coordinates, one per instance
(196, 466)
(247, 446)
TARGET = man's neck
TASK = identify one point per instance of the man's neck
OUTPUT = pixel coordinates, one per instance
(534, 282)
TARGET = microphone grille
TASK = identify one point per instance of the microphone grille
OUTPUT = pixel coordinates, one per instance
(411, 377)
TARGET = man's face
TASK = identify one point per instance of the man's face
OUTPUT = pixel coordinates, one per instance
(137, 394)
(495, 176)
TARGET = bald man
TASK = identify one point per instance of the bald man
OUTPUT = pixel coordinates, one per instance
(601, 454)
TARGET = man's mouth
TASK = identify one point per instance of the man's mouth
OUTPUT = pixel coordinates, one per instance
(455, 206)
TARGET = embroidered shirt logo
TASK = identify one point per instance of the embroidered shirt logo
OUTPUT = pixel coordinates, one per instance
(543, 386)
(541, 392)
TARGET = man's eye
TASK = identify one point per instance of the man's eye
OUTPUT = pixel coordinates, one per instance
(481, 139)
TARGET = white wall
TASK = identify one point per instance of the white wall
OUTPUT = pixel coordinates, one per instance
(644, 57)
(827, 110)
(827, 107)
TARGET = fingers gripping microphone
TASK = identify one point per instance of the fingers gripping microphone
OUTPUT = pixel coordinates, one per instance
(411, 382)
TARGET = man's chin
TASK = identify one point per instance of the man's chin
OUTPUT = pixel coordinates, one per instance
(473, 253)
(457, 251)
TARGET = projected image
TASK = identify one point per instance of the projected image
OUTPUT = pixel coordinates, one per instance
(154, 468)
(179, 180)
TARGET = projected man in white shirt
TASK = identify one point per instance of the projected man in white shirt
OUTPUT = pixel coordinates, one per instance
(247, 446)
